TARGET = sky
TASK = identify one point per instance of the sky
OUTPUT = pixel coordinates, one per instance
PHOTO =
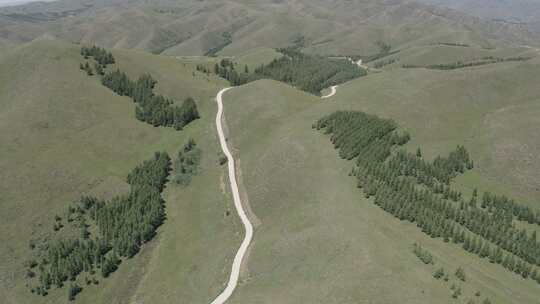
(15, 2)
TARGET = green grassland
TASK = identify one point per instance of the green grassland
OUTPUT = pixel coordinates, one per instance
(320, 241)
(256, 57)
(317, 239)
(63, 135)
(424, 55)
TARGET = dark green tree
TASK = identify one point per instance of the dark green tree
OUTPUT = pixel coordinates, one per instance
(460, 274)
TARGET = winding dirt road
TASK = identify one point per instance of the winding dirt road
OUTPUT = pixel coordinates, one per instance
(332, 92)
(235, 271)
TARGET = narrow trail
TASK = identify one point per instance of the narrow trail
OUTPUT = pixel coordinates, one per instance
(235, 271)
(332, 92)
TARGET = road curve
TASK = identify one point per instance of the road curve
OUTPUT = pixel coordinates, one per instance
(235, 270)
(332, 92)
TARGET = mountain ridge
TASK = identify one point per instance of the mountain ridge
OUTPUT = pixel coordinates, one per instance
(194, 27)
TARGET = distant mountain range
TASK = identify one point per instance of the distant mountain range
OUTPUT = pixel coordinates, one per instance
(513, 11)
(18, 2)
(195, 27)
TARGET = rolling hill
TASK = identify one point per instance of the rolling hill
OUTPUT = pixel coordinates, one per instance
(518, 11)
(317, 239)
(320, 241)
(523, 12)
(65, 135)
(434, 54)
(230, 27)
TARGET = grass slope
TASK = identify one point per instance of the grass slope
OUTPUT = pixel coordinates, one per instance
(319, 241)
(257, 57)
(473, 106)
(64, 135)
(437, 54)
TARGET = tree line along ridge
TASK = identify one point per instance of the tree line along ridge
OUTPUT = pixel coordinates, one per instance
(462, 64)
(413, 189)
(102, 233)
(151, 108)
(310, 73)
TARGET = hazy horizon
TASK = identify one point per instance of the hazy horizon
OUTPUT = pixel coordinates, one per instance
(19, 2)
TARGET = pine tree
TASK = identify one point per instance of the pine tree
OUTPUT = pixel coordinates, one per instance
(467, 244)
(486, 251)
(439, 273)
(496, 255)
(525, 270)
(460, 274)
(73, 290)
(456, 293)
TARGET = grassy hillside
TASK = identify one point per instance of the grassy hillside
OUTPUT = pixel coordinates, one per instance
(319, 241)
(526, 13)
(65, 135)
(257, 57)
(440, 53)
(518, 11)
(191, 27)
(472, 106)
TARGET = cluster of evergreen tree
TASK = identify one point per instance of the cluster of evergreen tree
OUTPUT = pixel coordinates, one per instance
(203, 69)
(122, 224)
(89, 71)
(509, 206)
(226, 69)
(151, 108)
(436, 174)
(409, 188)
(100, 70)
(187, 163)
(355, 133)
(310, 73)
(424, 255)
(99, 54)
(127, 222)
(86, 67)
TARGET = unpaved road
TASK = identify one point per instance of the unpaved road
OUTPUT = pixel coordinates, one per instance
(235, 271)
(332, 92)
